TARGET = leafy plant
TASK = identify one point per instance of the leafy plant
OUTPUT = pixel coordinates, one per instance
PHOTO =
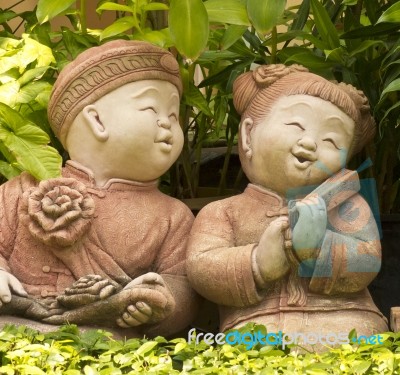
(68, 351)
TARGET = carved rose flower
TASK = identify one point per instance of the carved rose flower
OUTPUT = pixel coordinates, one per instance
(87, 289)
(266, 75)
(59, 211)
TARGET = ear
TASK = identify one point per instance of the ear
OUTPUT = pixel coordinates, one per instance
(245, 136)
(92, 119)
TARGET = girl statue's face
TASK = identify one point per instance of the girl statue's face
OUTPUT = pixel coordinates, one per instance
(301, 142)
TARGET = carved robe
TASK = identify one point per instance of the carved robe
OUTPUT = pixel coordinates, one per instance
(226, 232)
(123, 230)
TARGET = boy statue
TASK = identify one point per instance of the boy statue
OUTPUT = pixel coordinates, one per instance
(101, 245)
(293, 260)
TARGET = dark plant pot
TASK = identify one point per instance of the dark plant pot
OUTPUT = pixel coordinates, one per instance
(385, 289)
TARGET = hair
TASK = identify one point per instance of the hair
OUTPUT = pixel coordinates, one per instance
(255, 92)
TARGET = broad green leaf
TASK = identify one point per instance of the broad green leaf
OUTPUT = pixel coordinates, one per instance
(391, 15)
(195, 98)
(9, 62)
(8, 171)
(325, 27)
(232, 12)
(119, 26)
(48, 9)
(160, 38)
(309, 60)
(28, 144)
(232, 34)
(31, 74)
(336, 55)
(264, 15)
(154, 6)
(116, 7)
(393, 86)
(188, 22)
(33, 50)
(6, 15)
(32, 90)
(363, 46)
(146, 347)
(9, 92)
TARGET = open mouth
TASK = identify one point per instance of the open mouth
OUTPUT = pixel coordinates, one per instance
(302, 162)
(302, 159)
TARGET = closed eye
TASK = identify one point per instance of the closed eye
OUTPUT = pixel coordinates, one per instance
(174, 116)
(149, 109)
(330, 140)
(294, 124)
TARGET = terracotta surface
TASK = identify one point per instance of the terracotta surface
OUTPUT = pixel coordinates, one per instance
(101, 245)
(297, 249)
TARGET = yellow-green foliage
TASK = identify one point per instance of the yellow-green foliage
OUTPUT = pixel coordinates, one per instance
(68, 351)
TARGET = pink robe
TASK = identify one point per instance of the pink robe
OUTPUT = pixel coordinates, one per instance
(220, 248)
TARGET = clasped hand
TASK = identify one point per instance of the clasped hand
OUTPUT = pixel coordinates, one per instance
(141, 312)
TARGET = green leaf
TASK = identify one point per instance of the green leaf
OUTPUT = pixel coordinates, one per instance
(231, 35)
(155, 6)
(32, 90)
(301, 16)
(9, 92)
(8, 171)
(325, 27)
(232, 12)
(146, 347)
(392, 86)
(188, 22)
(264, 15)
(28, 144)
(33, 50)
(160, 38)
(363, 46)
(391, 15)
(119, 26)
(309, 60)
(48, 9)
(6, 15)
(31, 74)
(195, 98)
(378, 30)
(116, 7)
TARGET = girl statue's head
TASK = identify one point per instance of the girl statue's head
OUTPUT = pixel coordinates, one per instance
(311, 126)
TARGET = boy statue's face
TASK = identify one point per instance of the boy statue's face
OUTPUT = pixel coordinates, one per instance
(142, 122)
(302, 141)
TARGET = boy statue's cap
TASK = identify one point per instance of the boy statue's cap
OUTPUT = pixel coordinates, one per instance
(100, 70)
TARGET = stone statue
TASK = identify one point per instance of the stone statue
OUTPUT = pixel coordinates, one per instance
(101, 245)
(297, 249)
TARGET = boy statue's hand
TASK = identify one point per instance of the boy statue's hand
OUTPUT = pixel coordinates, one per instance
(143, 312)
(9, 283)
(309, 231)
(270, 257)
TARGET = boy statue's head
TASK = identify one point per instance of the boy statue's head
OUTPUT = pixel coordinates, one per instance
(115, 109)
(297, 128)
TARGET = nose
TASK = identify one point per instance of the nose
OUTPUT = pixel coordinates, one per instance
(308, 143)
(164, 122)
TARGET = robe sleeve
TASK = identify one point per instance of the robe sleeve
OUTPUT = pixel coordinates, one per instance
(10, 194)
(350, 255)
(218, 269)
(171, 265)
